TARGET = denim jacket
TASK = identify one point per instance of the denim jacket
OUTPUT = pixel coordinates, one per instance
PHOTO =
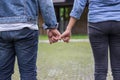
(22, 11)
(99, 10)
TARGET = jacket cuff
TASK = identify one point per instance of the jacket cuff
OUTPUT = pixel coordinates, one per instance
(50, 27)
(75, 15)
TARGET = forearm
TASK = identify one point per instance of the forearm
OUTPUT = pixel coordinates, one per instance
(71, 23)
(48, 14)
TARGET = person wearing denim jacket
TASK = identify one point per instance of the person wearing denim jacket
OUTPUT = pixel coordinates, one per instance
(19, 35)
(103, 31)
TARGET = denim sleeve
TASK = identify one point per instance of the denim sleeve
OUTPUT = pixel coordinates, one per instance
(48, 14)
(78, 8)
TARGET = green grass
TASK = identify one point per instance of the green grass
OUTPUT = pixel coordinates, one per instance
(44, 37)
(79, 36)
(62, 61)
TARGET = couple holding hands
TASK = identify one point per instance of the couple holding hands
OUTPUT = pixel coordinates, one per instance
(55, 35)
(19, 34)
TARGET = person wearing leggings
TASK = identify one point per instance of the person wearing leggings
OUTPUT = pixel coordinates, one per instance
(103, 31)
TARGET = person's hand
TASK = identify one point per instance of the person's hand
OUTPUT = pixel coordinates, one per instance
(66, 36)
(53, 35)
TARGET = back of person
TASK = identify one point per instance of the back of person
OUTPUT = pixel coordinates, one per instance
(13, 11)
(19, 35)
(99, 10)
(104, 34)
(102, 10)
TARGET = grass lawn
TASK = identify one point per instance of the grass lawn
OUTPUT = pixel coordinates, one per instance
(62, 61)
(65, 61)
(44, 37)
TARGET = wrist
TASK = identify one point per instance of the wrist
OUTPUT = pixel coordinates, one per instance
(50, 26)
(68, 29)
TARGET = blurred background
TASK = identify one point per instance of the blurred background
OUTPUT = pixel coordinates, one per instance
(61, 61)
(63, 9)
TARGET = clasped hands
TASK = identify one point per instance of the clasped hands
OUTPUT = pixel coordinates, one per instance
(54, 35)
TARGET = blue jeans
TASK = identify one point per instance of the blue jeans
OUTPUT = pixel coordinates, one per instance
(22, 44)
(105, 37)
